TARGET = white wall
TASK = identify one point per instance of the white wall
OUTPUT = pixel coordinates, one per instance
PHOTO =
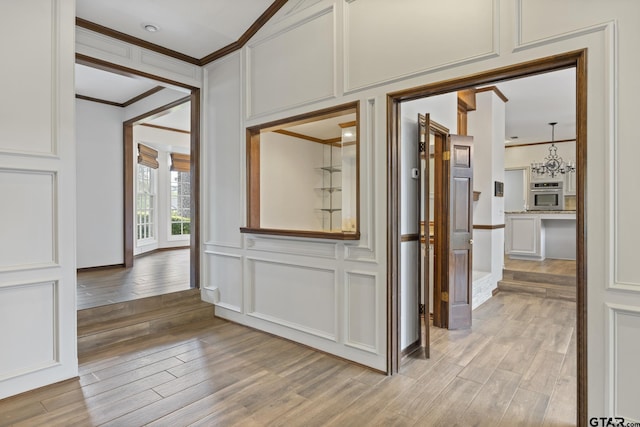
(520, 156)
(487, 126)
(37, 184)
(99, 189)
(358, 47)
(289, 177)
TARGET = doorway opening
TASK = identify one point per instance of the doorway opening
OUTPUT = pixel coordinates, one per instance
(398, 344)
(147, 147)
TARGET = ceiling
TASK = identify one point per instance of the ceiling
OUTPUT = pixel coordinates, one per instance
(195, 28)
(198, 28)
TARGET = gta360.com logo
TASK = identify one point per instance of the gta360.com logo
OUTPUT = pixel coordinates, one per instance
(611, 422)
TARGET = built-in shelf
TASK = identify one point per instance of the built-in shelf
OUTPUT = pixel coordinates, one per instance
(330, 209)
(330, 189)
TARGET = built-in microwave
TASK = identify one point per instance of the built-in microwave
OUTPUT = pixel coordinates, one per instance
(546, 196)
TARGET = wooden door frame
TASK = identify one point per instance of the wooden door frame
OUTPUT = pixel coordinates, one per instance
(128, 176)
(575, 59)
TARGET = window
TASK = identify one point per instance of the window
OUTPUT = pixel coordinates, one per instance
(302, 177)
(180, 203)
(145, 203)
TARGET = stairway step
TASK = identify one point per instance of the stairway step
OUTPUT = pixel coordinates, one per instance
(100, 335)
(534, 277)
(120, 310)
(102, 327)
(544, 290)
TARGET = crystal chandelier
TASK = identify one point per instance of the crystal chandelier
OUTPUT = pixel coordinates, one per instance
(553, 164)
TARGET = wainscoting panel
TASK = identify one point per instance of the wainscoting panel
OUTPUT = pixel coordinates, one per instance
(105, 48)
(306, 74)
(365, 251)
(275, 285)
(29, 239)
(227, 278)
(624, 347)
(362, 308)
(388, 54)
(224, 154)
(292, 247)
(26, 56)
(29, 322)
(90, 43)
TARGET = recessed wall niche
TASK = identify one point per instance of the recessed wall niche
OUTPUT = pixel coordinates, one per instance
(302, 175)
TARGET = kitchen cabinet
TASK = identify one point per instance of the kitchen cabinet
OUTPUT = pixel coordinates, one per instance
(537, 235)
(523, 235)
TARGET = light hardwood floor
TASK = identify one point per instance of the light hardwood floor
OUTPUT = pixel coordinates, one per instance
(158, 273)
(515, 367)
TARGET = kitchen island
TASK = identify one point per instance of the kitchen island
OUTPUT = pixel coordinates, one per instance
(536, 235)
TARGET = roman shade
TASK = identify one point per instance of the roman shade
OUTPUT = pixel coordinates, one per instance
(180, 162)
(147, 156)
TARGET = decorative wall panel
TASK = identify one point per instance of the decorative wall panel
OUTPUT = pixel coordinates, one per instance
(301, 297)
(362, 303)
(304, 75)
(27, 239)
(224, 156)
(312, 249)
(408, 40)
(27, 58)
(30, 309)
(227, 278)
(624, 347)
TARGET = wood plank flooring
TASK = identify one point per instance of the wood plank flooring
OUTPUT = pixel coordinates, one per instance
(158, 273)
(550, 266)
(515, 367)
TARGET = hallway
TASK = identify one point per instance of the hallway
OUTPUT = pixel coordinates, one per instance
(516, 367)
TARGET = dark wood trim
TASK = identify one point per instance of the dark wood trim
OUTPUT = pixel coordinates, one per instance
(97, 28)
(347, 124)
(581, 235)
(99, 267)
(574, 59)
(122, 104)
(301, 233)
(330, 141)
(125, 71)
(410, 237)
(142, 96)
(495, 291)
(127, 191)
(194, 262)
(524, 144)
(494, 89)
(311, 116)
(98, 100)
(244, 38)
(488, 227)
(410, 349)
(164, 128)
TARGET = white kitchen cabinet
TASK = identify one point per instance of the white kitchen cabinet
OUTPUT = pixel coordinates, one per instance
(523, 236)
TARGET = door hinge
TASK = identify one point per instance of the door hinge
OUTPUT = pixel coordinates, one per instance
(423, 147)
(446, 155)
(421, 308)
(444, 296)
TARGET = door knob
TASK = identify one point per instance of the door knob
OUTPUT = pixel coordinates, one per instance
(471, 241)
